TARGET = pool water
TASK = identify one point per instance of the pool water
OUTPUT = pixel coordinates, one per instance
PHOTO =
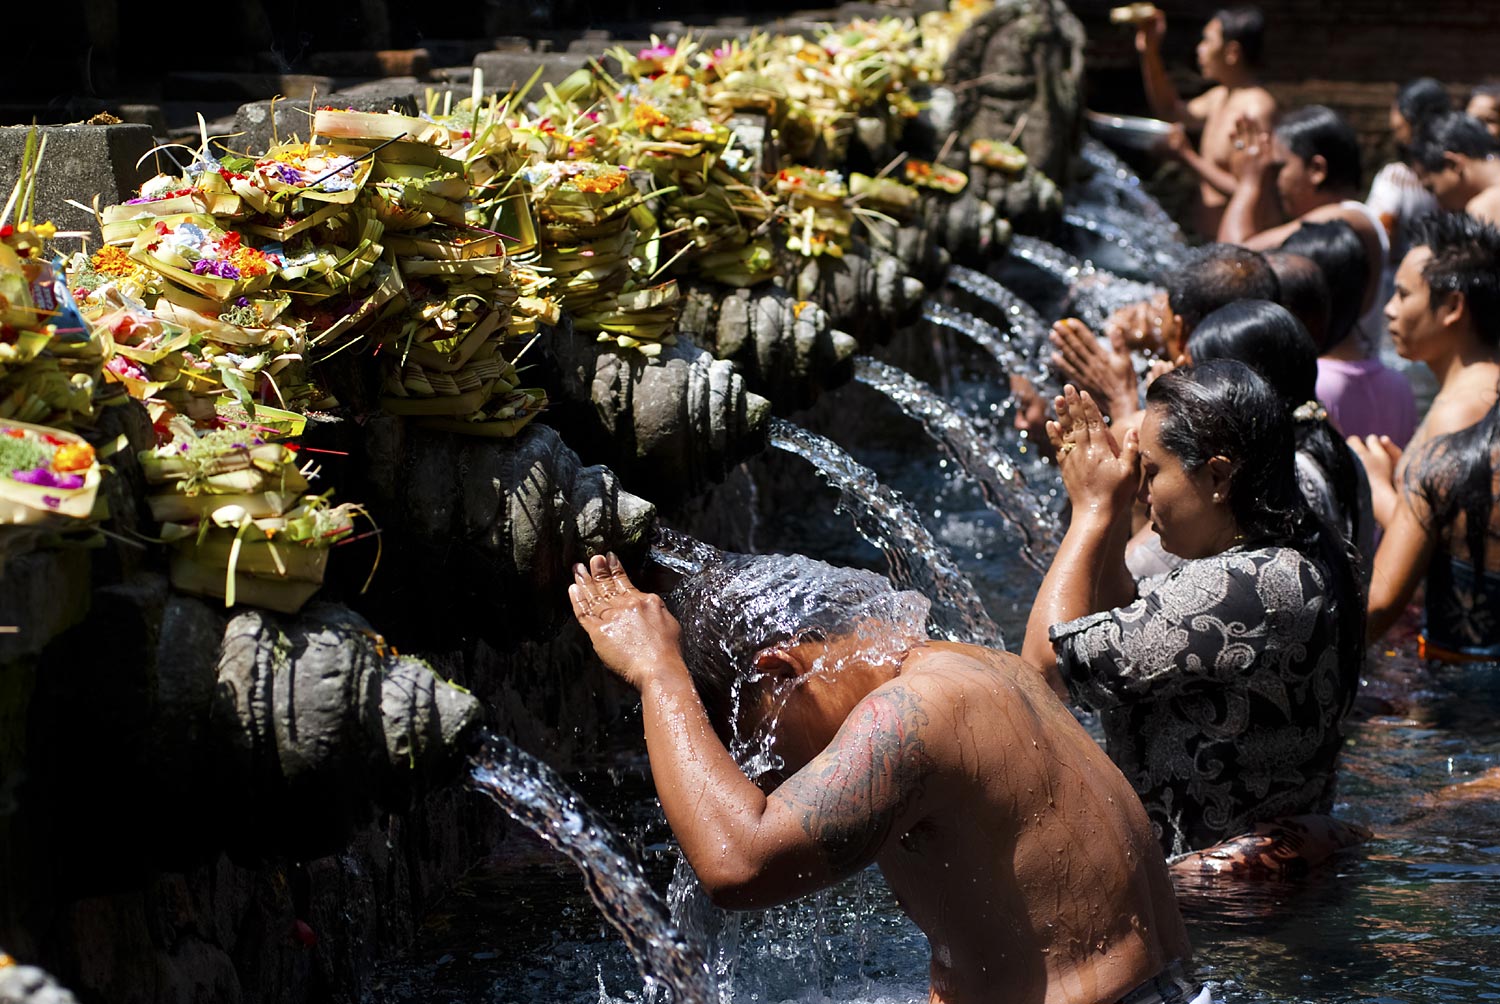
(1412, 917)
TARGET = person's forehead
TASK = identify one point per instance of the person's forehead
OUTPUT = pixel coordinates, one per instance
(1411, 266)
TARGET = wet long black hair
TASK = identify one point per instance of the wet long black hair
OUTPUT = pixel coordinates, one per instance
(1267, 337)
(1224, 408)
(1318, 130)
(1339, 252)
(1458, 474)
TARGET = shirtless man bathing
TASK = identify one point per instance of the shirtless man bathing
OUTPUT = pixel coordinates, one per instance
(1004, 831)
(1228, 56)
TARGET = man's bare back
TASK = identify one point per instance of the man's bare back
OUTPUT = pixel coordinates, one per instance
(1003, 829)
(1017, 790)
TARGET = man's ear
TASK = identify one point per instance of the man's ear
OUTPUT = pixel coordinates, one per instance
(1233, 54)
(1317, 170)
(1452, 309)
(777, 663)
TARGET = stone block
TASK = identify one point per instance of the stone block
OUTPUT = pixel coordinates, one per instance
(504, 70)
(81, 161)
(150, 115)
(259, 124)
(381, 63)
(245, 86)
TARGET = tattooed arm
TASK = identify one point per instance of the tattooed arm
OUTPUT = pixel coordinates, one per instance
(825, 822)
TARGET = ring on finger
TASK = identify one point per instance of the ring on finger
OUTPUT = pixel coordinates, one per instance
(1066, 448)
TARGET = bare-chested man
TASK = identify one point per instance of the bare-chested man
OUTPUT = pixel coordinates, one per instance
(1458, 161)
(1228, 55)
(1004, 831)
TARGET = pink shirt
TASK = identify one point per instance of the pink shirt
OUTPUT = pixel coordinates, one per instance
(1364, 397)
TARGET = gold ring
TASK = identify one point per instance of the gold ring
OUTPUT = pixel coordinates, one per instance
(1066, 448)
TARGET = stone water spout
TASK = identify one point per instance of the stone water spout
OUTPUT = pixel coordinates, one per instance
(865, 292)
(489, 528)
(787, 348)
(675, 423)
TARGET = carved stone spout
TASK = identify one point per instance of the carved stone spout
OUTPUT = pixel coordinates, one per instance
(674, 424)
(787, 348)
(486, 530)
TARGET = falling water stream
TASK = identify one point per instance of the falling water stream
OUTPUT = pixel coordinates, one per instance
(917, 561)
(536, 796)
(1025, 323)
(956, 434)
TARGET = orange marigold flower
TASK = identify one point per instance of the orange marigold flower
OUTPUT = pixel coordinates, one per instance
(647, 116)
(73, 457)
(112, 260)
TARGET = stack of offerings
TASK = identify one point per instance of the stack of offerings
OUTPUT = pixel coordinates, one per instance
(590, 217)
(818, 218)
(50, 358)
(235, 514)
(444, 354)
(221, 254)
(709, 214)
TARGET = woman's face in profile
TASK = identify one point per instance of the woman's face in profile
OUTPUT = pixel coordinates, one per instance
(1179, 503)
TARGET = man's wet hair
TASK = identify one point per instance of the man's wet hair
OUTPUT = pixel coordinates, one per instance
(1304, 292)
(1421, 99)
(739, 606)
(1245, 24)
(1488, 89)
(1217, 275)
(1319, 131)
(1465, 259)
(1456, 133)
(1345, 262)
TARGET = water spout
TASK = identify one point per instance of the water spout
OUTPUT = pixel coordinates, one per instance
(538, 798)
(1003, 486)
(885, 519)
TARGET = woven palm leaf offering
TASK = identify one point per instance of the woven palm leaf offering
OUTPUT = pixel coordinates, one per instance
(48, 477)
(818, 220)
(50, 357)
(235, 514)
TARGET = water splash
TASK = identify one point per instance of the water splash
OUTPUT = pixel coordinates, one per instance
(1002, 486)
(680, 552)
(916, 559)
(536, 796)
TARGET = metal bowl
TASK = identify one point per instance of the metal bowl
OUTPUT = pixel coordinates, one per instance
(1130, 132)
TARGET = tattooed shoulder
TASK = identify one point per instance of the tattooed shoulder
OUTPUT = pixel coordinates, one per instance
(855, 792)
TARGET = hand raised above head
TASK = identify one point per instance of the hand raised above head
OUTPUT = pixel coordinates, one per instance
(1150, 31)
(1100, 474)
(633, 633)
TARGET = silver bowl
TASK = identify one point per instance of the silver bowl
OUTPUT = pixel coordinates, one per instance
(1131, 132)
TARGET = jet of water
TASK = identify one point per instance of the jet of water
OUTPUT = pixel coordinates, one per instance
(538, 798)
(1111, 183)
(1026, 325)
(916, 559)
(1003, 487)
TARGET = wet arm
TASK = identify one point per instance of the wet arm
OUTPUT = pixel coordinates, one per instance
(1087, 575)
(1161, 94)
(1220, 178)
(825, 822)
(1250, 215)
(1400, 564)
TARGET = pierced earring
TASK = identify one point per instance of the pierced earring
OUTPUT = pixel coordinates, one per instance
(1216, 496)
